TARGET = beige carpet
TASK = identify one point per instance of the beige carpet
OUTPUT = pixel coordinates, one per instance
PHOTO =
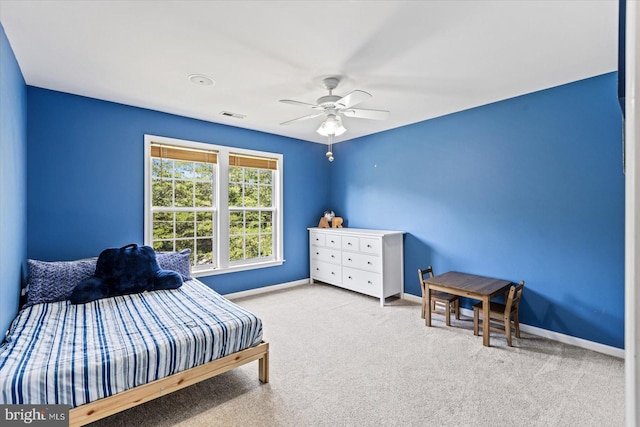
(339, 359)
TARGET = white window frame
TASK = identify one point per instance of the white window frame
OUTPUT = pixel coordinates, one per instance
(221, 245)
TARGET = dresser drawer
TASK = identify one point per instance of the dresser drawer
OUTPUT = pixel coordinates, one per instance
(326, 254)
(365, 282)
(370, 246)
(317, 239)
(333, 241)
(350, 243)
(362, 261)
(326, 272)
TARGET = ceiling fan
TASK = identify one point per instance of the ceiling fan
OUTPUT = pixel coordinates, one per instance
(332, 106)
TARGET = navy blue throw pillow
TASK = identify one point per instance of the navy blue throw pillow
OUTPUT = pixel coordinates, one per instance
(127, 270)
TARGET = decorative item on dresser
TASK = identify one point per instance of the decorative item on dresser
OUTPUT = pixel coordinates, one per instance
(365, 261)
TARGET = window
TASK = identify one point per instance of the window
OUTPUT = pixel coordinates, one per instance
(250, 208)
(223, 203)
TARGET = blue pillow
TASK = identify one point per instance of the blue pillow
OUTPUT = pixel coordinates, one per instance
(55, 281)
(127, 270)
(176, 261)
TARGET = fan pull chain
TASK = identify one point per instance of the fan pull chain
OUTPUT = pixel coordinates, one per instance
(330, 152)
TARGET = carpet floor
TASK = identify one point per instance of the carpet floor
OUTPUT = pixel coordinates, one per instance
(339, 359)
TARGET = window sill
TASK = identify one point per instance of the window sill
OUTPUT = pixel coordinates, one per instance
(234, 269)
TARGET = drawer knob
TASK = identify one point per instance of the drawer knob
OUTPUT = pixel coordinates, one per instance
(348, 259)
(350, 277)
(317, 269)
(368, 246)
(317, 253)
(349, 243)
(369, 281)
(333, 256)
(333, 272)
(332, 241)
(369, 262)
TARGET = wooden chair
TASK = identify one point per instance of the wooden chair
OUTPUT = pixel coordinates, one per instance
(438, 298)
(502, 313)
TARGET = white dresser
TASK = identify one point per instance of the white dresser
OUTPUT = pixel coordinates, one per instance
(365, 261)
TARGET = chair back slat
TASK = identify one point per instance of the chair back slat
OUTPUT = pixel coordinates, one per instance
(421, 276)
(513, 299)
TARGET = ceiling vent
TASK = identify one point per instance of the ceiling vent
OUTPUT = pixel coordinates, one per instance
(234, 115)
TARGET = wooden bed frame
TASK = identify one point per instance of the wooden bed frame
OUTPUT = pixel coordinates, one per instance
(101, 408)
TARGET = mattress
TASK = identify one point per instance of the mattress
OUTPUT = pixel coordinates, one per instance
(60, 353)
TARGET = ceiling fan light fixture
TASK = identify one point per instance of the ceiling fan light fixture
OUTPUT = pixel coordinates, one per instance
(331, 126)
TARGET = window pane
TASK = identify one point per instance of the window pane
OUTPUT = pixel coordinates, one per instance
(161, 168)
(183, 170)
(251, 175)
(204, 194)
(236, 222)
(204, 171)
(204, 224)
(252, 222)
(184, 193)
(236, 248)
(266, 176)
(252, 248)
(265, 196)
(266, 222)
(162, 225)
(235, 174)
(163, 245)
(204, 251)
(161, 192)
(250, 195)
(235, 195)
(266, 245)
(185, 224)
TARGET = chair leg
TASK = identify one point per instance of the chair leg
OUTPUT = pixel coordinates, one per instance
(456, 306)
(516, 323)
(475, 320)
(424, 308)
(507, 329)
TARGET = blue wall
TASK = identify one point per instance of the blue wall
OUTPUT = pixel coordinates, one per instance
(86, 180)
(13, 182)
(530, 188)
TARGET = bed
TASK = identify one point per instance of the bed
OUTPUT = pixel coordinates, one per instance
(115, 353)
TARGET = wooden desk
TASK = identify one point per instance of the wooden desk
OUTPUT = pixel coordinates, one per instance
(470, 286)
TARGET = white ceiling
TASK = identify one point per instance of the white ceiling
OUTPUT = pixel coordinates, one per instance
(419, 59)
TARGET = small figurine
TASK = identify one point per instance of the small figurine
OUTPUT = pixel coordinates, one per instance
(326, 219)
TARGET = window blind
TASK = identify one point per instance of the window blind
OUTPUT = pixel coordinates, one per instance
(180, 153)
(253, 162)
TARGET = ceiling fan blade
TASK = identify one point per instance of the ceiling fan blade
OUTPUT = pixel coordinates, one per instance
(310, 116)
(353, 98)
(300, 104)
(360, 113)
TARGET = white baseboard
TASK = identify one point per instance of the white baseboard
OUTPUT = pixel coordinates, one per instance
(266, 289)
(556, 336)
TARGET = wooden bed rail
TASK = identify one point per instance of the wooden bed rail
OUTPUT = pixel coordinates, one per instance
(101, 408)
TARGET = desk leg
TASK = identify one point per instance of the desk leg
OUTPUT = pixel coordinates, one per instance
(427, 317)
(485, 321)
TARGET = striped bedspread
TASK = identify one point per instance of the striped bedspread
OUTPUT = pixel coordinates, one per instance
(59, 353)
